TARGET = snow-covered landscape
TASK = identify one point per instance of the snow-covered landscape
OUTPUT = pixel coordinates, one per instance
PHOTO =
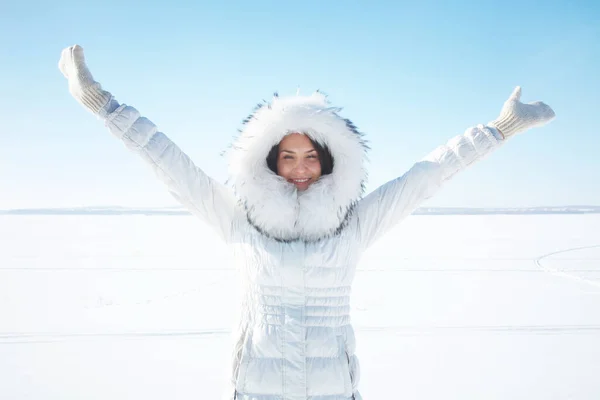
(490, 306)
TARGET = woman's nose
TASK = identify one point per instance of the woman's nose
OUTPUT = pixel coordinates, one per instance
(300, 166)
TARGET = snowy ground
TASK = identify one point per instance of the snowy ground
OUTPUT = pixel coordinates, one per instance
(137, 307)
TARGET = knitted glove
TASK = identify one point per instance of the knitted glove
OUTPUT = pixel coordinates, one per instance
(517, 117)
(82, 85)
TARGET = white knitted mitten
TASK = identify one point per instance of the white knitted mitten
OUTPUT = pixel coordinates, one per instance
(82, 85)
(517, 117)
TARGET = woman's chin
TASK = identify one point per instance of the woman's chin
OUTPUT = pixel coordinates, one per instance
(301, 186)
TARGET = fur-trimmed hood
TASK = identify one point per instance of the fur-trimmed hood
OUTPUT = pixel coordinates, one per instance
(273, 205)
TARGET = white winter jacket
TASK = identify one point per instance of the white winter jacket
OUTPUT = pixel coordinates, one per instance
(297, 251)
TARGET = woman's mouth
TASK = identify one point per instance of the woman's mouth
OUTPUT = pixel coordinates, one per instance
(301, 183)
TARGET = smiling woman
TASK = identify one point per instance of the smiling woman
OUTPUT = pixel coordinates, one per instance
(296, 222)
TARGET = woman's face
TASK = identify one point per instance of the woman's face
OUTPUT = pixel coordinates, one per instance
(298, 161)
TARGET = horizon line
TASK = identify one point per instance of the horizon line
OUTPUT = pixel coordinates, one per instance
(180, 210)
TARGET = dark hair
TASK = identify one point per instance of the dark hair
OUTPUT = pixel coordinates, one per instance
(325, 158)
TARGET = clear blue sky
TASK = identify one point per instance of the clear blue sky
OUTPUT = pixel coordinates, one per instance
(409, 75)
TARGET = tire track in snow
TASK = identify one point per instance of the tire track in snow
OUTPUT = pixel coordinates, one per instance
(486, 329)
(563, 274)
(53, 337)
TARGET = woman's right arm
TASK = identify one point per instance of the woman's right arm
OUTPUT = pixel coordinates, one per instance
(209, 200)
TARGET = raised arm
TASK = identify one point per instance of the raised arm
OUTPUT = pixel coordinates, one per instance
(382, 209)
(211, 201)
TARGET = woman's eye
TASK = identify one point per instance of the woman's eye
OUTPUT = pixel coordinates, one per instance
(312, 156)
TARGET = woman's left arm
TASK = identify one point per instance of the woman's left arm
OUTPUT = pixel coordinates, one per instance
(378, 212)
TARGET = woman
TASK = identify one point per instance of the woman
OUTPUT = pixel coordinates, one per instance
(296, 223)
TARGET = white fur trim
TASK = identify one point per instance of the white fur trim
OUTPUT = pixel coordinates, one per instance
(272, 204)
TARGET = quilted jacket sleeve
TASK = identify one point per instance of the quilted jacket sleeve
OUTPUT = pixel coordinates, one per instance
(209, 200)
(382, 209)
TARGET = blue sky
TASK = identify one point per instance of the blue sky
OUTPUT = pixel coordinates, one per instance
(409, 75)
